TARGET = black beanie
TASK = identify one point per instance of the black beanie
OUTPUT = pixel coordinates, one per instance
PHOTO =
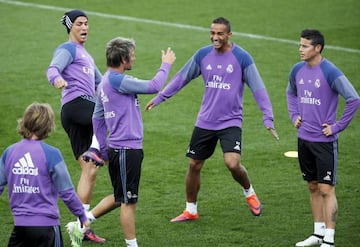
(70, 16)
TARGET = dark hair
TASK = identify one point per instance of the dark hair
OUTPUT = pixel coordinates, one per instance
(118, 51)
(222, 20)
(316, 37)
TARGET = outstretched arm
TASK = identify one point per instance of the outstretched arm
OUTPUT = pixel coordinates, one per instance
(127, 84)
(190, 71)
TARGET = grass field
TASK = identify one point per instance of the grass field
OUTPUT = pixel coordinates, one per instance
(269, 30)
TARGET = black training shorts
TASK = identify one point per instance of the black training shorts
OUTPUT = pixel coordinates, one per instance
(125, 172)
(203, 142)
(318, 161)
(36, 236)
(76, 119)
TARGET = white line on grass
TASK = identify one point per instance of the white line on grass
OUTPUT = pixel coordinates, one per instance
(169, 24)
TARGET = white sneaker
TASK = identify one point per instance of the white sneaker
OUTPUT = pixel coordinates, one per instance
(75, 233)
(310, 241)
(327, 244)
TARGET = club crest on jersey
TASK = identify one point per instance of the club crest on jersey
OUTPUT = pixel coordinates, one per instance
(230, 68)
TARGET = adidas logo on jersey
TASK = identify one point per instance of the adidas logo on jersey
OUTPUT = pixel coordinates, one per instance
(25, 166)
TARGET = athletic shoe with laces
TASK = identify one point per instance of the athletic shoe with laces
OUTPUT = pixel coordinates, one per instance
(93, 155)
(254, 205)
(311, 241)
(91, 236)
(185, 216)
(75, 233)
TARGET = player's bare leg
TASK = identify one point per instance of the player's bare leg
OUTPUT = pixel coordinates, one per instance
(106, 205)
(127, 221)
(193, 180)
(87, 180)
(192, 190)
(239, 173)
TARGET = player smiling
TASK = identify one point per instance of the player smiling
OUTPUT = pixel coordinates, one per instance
(227, 68)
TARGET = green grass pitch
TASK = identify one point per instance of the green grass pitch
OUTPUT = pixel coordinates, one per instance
(269, 30)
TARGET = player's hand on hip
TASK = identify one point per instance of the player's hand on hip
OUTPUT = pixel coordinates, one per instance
(327, 130)
(297, 122)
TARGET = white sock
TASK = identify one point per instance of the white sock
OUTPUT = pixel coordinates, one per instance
(131, 243)
(94, 143)
(329, 235)
(248, 192)
(90, 216)
(86, 207)
(191, 207)
(319, 228)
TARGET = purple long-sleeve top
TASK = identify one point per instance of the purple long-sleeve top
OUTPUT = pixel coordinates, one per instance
(313, 94)
(74, 64)
(117, 109)
(37, 176)
(224, 76)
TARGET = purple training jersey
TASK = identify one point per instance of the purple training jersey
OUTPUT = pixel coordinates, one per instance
(224, 76)
(117, 109)
(36, 176)
(313, 94)
(74, 64)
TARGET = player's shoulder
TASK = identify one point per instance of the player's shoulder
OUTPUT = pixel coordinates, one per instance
(51, 152)
(67, 47)
(7, 151)
(239, 51)
(201, 53)
(113, 77)
(49, 148)
(204, 50)
(243, 57)
(238, 48)
(328, 65)
(297, 66)
(330, 70)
